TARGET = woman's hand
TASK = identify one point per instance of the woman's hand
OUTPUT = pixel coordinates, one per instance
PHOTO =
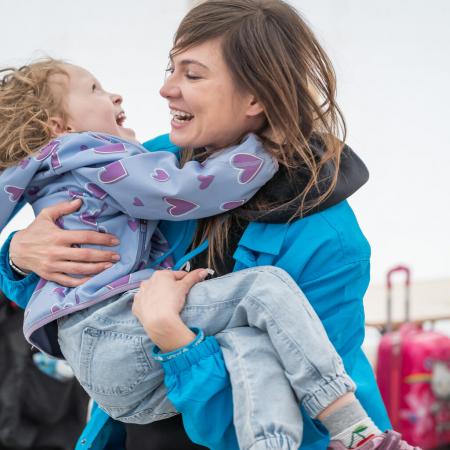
(158, 305)
(47, 250)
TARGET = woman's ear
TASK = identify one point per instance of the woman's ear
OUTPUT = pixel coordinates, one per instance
(57, 126)
(254, 107)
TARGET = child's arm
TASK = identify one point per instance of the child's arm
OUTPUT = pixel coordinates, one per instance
(153, 186)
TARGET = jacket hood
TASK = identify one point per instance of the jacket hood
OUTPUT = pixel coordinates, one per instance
(282, 188)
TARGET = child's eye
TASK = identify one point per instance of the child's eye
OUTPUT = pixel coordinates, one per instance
(94, 87)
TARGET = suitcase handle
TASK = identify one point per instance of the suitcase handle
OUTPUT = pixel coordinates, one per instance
(389, 277)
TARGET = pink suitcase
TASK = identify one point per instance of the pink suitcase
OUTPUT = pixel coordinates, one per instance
(413, 374)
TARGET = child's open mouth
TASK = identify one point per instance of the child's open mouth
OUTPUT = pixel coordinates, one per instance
(120, 118)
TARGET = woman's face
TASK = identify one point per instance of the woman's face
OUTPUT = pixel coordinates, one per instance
(207, 109)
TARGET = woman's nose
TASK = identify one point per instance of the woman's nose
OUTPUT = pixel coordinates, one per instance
(170, 89)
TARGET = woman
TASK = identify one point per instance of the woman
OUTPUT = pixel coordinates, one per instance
(299, 221)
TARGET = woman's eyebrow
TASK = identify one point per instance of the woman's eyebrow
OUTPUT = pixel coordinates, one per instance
(186, 62)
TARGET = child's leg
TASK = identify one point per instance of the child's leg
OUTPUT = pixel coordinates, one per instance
(266, 411)
(269, 300)
(110, 354)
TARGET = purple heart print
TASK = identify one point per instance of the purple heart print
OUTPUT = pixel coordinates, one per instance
(111, 148)
(205, 181)
(231, 205)
(179, 207)
(248, 166)
(96, 191)
(160, 175)
(112, 173)
(14, 193)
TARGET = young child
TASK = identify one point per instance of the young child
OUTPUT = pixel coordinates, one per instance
(62, 138)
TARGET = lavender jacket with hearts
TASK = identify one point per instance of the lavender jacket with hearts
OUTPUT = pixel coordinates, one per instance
(125, 191)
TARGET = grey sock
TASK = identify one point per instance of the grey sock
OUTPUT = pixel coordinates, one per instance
(344, 418)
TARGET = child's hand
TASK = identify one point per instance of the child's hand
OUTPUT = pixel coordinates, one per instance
(158, 305)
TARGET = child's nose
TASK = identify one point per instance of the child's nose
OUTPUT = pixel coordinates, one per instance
(116, 99)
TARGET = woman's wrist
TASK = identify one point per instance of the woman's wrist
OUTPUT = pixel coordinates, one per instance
(13, 253)
(169, 333)
(17, 269)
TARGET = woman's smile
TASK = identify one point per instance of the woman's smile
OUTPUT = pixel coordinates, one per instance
(180, 118)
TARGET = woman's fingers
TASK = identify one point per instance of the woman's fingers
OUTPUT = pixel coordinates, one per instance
(81, 237)
(86, 255)
(61, 209)
(73, 268)
(192, 278)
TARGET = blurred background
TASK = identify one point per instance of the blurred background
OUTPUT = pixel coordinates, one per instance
(392, 66)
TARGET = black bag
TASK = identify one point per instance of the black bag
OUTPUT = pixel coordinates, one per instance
(36, 410)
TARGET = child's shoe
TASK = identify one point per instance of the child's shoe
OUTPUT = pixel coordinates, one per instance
(391, 440)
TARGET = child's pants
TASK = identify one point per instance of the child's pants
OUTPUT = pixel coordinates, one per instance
(275, 348)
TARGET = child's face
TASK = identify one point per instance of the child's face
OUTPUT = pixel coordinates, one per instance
(89, 107)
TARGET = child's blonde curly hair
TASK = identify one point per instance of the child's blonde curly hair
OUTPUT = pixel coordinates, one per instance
(27, 101)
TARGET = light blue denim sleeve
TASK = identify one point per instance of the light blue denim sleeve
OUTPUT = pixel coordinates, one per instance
(199, 387)
(18, 290)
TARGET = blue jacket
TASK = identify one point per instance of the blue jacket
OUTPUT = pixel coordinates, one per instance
(328, 256)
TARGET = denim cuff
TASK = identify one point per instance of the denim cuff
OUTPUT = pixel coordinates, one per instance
(186, 360)
(163, 357)
(327, 392)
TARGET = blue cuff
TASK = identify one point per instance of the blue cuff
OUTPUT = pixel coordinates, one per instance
(163, 357)
(16, 288)
(207, 348)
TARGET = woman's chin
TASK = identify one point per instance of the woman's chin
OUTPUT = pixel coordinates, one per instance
(181, 140)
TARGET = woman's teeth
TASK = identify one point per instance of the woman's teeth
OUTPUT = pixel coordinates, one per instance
(181, 116)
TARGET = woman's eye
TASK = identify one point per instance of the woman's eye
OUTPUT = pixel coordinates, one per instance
(94, 87)
(192, 77)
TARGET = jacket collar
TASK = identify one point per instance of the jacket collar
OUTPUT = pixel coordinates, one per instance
(263, 237)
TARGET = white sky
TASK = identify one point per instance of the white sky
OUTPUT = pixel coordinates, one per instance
(393, 68)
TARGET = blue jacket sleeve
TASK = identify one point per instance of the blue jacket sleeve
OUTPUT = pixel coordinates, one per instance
(18, 290)
(199, 386)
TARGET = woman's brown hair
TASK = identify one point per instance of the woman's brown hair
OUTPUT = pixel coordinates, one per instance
(272, 53)
(27, 101)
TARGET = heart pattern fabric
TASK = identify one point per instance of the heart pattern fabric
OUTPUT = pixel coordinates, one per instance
(96, 191)
(179, 207)
(14, 193)
(160, 175)
(205, 181)
(248, 165)
(112, 173)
